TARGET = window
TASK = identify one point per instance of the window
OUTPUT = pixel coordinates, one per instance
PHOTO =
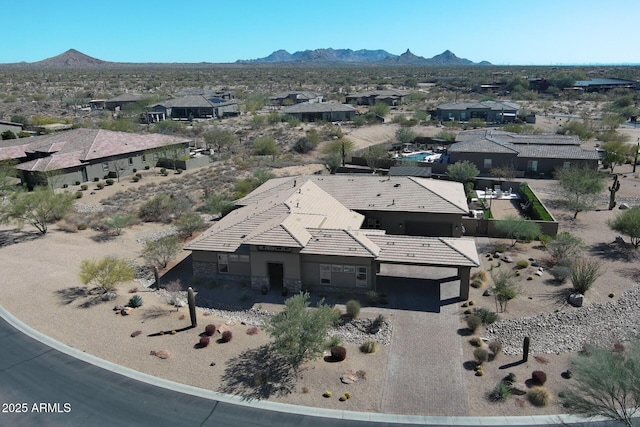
(349, 269)
(325, 274)
(144, 157)
(223, 263)
(532, 165)
(373, 223)
(244, 258)
(336, 268)
(130, 160)
(105, 166)
(233, 258)
(361, 277)
(566, 165)
(463, 116)
(487, 163)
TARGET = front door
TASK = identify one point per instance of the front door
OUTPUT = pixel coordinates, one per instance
(276, 274)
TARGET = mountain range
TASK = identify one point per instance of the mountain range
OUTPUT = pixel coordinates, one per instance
(363, 56)
(75, 59)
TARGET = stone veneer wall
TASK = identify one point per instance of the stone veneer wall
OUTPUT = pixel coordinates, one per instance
(293, 285)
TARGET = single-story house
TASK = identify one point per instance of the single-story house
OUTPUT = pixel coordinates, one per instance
(322, 232)
(526, 154)
(604, 84)
(372, 97)
(193, 107)
(325, 111)
(296, 97)
(487, 111)
(81, 155)
(118, 101)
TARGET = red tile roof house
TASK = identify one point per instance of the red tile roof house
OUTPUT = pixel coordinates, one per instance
(332, 232)
(81, 155)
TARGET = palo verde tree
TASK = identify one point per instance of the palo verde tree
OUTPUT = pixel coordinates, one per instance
(39, 207)
(375, 155)
(160, 251)
(605, 383)
(105, 273)
(517, 228)
(579, 186)
(464, 172)
(219, 139)
(299, 332)
(615, 153)
(627, 222)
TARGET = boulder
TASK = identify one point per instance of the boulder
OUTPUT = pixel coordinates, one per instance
(126, 311)
(538, 273)
(349, 377)
(118, 308)
(507, 259)
(576, 299)
(623, 206)
(487, 292)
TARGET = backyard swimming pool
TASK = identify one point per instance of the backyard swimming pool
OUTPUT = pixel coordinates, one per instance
(422, 156)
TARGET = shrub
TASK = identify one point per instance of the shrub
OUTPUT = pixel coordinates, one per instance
(539, 396)
(109, 181)
(476, 341)
(481, 275)
(500, 392)
(500, 248)
(163, 171)
(338, 353)
(210, 329)
(83, 187)
(373, 297)
(511, 377)
(135, 301)
(538, 378)
(495, 347)
(378, 321)
(476, 283)
(473, 322)
(481, 355)
(96, 179)
(252, 330)
(77, 183)
(100, 185)
(333, 341)
(487, 316)
(538, 211)
(135, 179)
(560, 273)
(353, 308)
(82, 226)
(178, 171)
(204, 342)
(369, 347)
(138, 175)
(523, 263)
(147, 167)
(78, 195)
(226, 336)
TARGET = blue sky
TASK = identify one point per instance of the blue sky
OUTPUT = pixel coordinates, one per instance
(542, 32)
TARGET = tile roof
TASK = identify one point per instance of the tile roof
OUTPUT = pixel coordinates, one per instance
(436, 251)
(126, 97)
(317, 107)
(525, 146)
(490, 105)
(379, 93)
(375, 193)
(305, 94)
(189, 101)
(79, 146)
(307, 217)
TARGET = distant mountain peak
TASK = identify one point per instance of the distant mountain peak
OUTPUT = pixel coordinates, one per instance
(71, 58)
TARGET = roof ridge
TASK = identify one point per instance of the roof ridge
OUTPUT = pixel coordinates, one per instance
(445, 241)
(415, 179)
(354, 237)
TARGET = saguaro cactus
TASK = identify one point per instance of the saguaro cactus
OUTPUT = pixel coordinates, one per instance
(525, 349)
(615, 186)
(191, 298)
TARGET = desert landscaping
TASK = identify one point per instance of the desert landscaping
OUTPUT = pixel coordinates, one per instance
(146, 326)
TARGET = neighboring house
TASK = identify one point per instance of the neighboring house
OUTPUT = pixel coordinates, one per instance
(487, 111)
(334, 231)
(81, 155)
(118, 102)
(372, 97)
(192, 107)
(296, 97)
(325, 111)
(525, 154)
(604, 84)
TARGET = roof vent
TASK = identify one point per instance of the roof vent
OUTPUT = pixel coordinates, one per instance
(396, 185)
(378, 194)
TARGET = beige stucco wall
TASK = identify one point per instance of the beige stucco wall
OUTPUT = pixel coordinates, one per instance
(310, 265)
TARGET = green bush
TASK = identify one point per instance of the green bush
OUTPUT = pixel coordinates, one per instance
(83, 187)
(353, 308)
(78, 194)
(473, 322)
(487, 316)
(538, 212)
(96, 179)
(523, 263)
(135, 301)
(109, 181)
(369, 347)
(495, 347)
(500, 392)
(373, 297)
(333, 341)
(147, 167)
(100, 185)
